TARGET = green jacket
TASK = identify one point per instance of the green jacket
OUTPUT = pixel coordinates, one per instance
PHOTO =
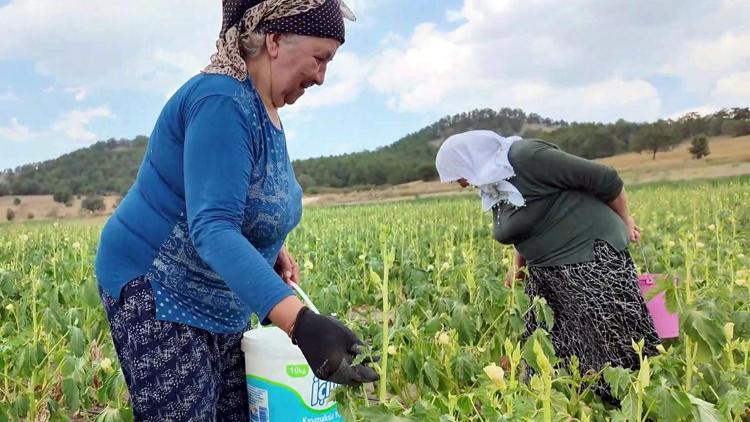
(566, 206)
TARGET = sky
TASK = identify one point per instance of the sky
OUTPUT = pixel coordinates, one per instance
(74, 72)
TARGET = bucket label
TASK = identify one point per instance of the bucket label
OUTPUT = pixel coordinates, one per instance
(271, 401)
(298, 371)
(258, 399)
(321, 390)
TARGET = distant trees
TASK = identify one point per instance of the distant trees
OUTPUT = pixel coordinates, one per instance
(109, 167)
(10, 215)
(659, 136)
(735, 127)
(16, 201)
(63, 196)
(699, 147)
(93, 203)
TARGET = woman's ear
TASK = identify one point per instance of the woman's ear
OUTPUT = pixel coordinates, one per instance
(272, 44)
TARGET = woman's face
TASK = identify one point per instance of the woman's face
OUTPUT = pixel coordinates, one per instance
(298, 63)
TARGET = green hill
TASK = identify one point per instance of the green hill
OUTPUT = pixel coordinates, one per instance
(109, 167)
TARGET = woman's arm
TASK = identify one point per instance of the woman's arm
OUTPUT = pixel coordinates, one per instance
(620, 206)
(551, 167)
(516, 270)
(218, 159)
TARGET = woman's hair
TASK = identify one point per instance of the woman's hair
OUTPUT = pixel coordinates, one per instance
(253, 43)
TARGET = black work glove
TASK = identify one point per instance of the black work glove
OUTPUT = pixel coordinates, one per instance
(329, 347)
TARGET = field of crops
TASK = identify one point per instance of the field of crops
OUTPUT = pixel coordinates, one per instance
(423, 283)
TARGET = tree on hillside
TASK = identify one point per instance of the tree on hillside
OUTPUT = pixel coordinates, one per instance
(62, 196)
(715, 124)
(305, 181)
(10, 214)
(691, 124)
(659, 136)
(93, 203)
(699, 147)
(735, 127)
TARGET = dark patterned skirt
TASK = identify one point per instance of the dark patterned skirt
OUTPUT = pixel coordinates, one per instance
(175, 372)
(598, 310)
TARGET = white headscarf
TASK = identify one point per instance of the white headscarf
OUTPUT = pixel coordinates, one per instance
(480, 157)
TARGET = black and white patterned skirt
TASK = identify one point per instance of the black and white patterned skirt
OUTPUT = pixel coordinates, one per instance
(598, 309)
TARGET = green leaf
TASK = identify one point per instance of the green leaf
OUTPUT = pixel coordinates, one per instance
(110, 414)
(432, 376)
(90, 294)
(380, 413)
(707, 332)
(77, 342)
(733, 401)
(21, 406)
(462, 320)
(619, 379)
(669, 405)
(528, 349)
(629, 406)
(425, 411)
(465, 366)
(543, 312)
(412, 366)
(68, 366)
(70, 392)
(704, 411)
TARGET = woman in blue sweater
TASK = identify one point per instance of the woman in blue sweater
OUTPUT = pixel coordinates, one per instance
(197, 244)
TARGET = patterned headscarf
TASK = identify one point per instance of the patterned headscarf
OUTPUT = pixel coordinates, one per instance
(319, 18)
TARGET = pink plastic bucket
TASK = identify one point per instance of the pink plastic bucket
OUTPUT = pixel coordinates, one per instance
(666, 323)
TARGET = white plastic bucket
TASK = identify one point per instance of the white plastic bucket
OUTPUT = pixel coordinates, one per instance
(280, 385)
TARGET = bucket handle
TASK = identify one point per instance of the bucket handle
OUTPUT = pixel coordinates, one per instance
(643, 254)
(304, 296)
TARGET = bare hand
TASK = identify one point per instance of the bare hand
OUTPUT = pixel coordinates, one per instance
(511, 277)
(287, 267)
(634, 232)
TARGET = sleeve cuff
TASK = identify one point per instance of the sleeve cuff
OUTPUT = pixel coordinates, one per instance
(271, 301)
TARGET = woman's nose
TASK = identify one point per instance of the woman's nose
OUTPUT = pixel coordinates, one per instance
(320, 76)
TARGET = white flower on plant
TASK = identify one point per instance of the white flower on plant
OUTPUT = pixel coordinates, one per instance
(392, 350)
(443, 339)
(506, 261)
(77, 246)
(106, 364)
(445, 267)
(23, 237)
(9, 307)
(362, 257)
(430, 268)
(729, 330)
(497, 375)
(740, 255)
(309, 265)
(699, 245)
(711, 227)
(670, 243)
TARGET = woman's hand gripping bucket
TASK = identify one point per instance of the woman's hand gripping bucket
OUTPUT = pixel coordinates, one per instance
(281, 386)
